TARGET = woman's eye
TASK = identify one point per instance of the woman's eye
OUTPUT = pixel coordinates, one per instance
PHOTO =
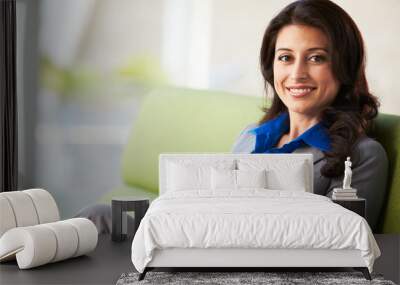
(284, 58)
(317, 58)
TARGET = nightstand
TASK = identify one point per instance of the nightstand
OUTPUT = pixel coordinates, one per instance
(358, 205)
(120, 206)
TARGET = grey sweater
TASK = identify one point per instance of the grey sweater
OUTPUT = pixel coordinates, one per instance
(370, 170)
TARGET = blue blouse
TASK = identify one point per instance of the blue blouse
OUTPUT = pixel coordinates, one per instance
(268, 134)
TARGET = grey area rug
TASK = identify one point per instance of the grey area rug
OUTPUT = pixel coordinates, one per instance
(225, 278)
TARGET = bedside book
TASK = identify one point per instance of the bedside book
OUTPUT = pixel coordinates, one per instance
(334, 197)
(345, 194)
(340, 190)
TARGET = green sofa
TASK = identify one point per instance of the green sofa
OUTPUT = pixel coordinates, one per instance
(186, 120)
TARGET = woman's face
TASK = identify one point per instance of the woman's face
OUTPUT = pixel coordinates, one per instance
(303, 75)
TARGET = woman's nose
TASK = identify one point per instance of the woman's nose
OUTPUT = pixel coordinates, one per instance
(299, 70)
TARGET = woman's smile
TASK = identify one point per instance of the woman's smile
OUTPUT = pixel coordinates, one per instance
(300, 91)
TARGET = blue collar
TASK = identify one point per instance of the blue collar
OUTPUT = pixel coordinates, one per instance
(269, 133)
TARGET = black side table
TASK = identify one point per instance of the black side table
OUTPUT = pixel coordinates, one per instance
(120, 205)
(358, 205)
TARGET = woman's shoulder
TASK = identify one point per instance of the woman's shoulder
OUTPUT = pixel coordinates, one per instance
(250, 127)
(368, 143)
(245, 142)
(366, 148)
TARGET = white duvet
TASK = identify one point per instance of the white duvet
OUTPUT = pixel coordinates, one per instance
(250, 219)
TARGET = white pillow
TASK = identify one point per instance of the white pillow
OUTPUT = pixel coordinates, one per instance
(282, 174)
(237, 179)
(291, 179)
(251, 178)
(223, 179)
(193, 174)
(187, 177)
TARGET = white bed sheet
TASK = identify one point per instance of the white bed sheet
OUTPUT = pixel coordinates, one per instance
(251, 218)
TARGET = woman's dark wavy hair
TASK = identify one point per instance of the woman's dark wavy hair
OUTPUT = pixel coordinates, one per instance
(350, 114)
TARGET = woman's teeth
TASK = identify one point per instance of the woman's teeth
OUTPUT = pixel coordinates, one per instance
(300, 91)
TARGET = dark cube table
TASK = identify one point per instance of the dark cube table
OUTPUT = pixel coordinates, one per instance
(358, 205)
(120, 206)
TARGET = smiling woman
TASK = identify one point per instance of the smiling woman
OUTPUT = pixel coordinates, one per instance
(303, 75)
(313, 59)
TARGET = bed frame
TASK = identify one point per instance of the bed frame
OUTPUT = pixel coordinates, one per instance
(246, 259)
(242, 259)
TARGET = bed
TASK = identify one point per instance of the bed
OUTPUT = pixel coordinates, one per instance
(247, 210)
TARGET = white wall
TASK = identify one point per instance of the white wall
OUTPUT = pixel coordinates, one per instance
(379, 22)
